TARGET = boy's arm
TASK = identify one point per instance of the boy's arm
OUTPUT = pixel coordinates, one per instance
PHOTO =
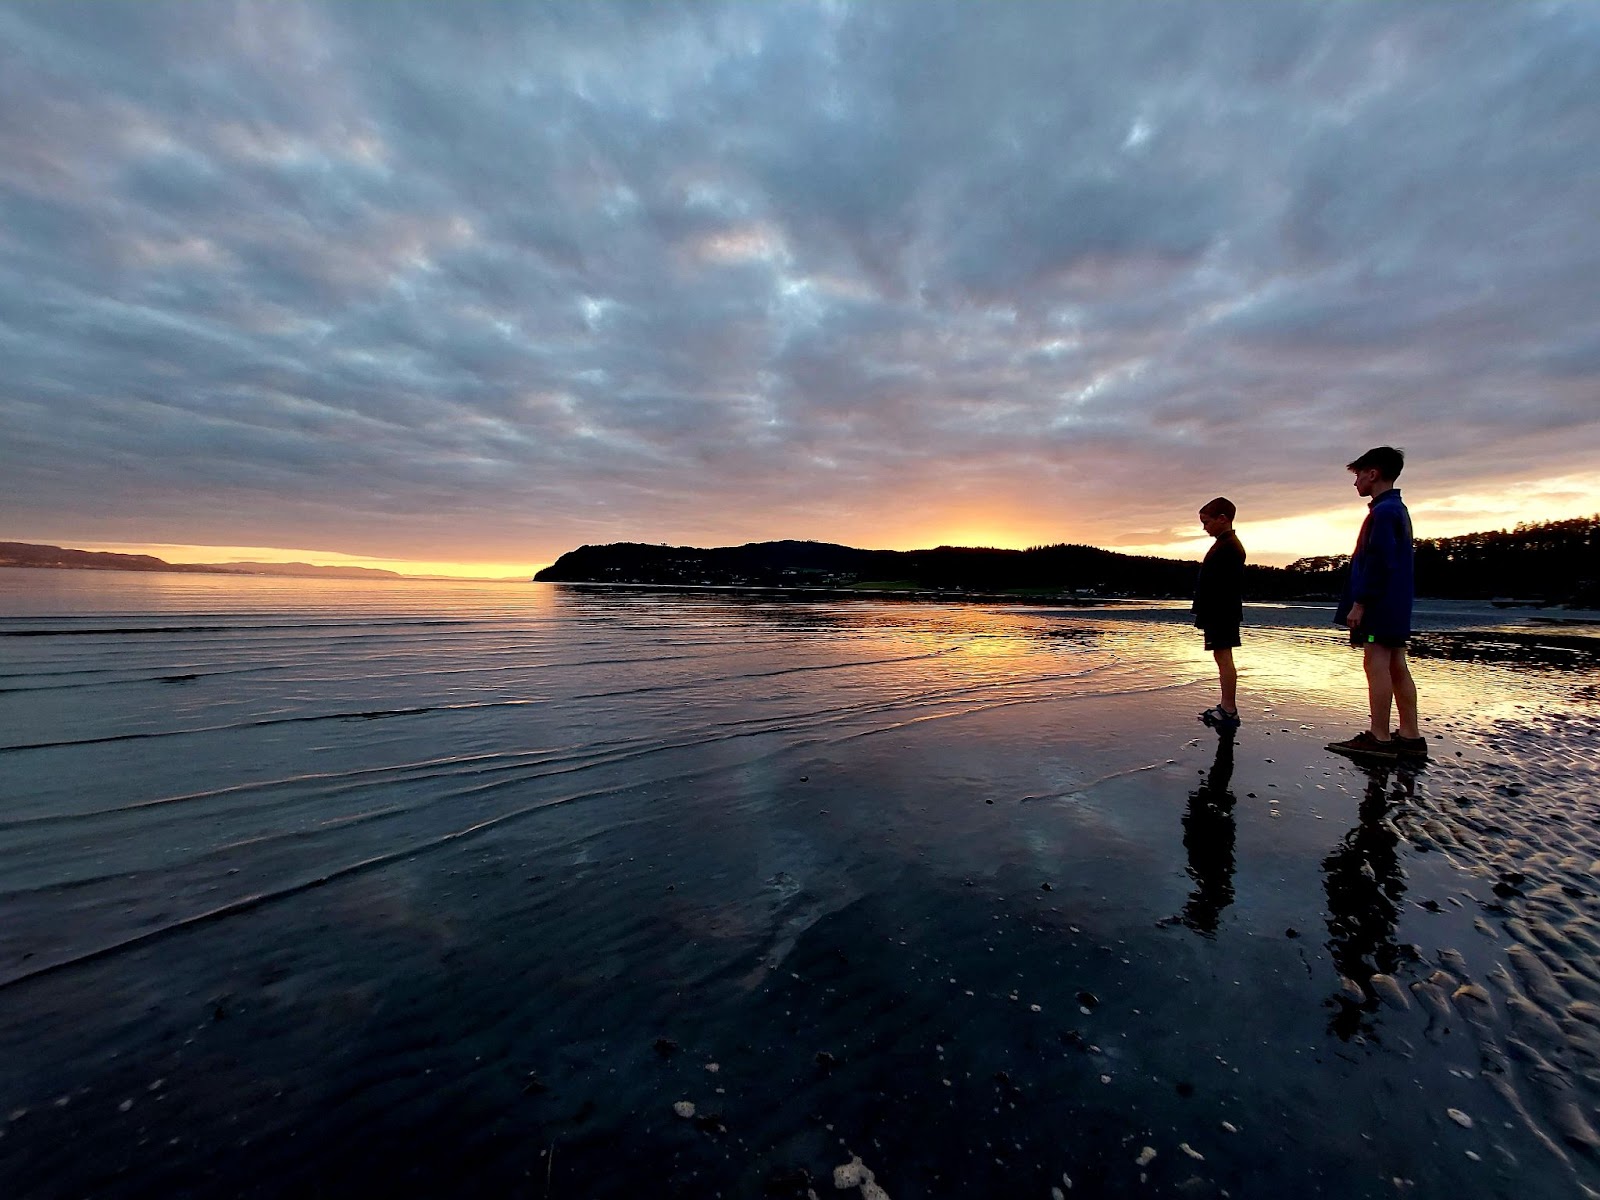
(1378, 560)
(1205, 587)
(1236, 573)
(1383, 547)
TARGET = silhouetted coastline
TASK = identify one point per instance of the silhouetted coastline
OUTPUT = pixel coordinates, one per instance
(1549, 564)
(1043, 572)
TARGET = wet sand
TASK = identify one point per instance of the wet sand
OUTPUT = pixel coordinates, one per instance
(975, 938)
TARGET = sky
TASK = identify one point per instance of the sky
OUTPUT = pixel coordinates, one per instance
(455, 288)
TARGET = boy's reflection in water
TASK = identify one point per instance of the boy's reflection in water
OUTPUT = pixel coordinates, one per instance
(1365, 885)
(1208, 832)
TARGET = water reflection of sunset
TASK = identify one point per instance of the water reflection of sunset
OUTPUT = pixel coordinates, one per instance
(988, 636)
(1290, 658)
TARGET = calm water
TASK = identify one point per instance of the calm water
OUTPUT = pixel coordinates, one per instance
(317, 886)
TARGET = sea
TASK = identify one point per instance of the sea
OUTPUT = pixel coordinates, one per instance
(510, 889)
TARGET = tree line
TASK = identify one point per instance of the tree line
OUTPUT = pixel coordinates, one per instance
(1557, 562)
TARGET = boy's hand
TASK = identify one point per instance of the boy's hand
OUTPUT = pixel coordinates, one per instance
(1357, 611)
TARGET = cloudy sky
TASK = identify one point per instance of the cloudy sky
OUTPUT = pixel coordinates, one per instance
(476, 283)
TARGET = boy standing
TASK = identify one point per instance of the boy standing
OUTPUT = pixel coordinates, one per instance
(1377, 609)
(1219, 607)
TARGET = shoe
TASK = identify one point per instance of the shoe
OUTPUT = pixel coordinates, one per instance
(1416, 747)
(1220, 718)
(1364, 745)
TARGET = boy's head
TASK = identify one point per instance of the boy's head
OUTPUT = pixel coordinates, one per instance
(1217, 516)
(1385, 460)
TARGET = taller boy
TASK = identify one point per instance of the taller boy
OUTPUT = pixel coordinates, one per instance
(1219, 607)
(1377, 609)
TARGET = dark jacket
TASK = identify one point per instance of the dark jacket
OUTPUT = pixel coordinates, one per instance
(1381, 570)
(1219, 592)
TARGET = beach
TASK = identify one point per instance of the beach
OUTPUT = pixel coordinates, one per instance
(534, 890)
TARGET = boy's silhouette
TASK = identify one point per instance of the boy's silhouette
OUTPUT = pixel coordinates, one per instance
(1219, 607)
(1377, 609)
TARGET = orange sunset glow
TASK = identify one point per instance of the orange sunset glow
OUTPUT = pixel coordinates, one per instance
(224, 555)
(1271, 540)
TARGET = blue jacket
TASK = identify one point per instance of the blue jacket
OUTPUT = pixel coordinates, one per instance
(1381, 570)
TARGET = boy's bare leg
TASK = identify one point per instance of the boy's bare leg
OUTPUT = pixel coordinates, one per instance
(1376, 660)
(1228, 676)
(1405, 692)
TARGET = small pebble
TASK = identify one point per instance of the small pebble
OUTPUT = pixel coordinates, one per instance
(852, 1174)
(684, 1109)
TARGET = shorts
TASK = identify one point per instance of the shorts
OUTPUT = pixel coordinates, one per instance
(1361, 640)
(1220, 637)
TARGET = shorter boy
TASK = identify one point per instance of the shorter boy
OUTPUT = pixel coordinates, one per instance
(1219, 607)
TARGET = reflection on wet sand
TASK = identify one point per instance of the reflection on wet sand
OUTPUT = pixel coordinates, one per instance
(1208, 836)
(1365, 885)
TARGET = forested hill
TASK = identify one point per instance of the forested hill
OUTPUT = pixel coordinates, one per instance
(1557, 562)
(1053, 570)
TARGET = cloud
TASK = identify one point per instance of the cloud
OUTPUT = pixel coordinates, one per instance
(399, 278)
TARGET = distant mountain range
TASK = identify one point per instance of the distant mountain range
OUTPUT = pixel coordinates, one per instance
(298, 568)
(26, 554)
